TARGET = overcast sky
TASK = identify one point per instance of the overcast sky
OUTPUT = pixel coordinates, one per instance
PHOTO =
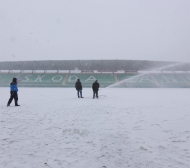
(95, 29)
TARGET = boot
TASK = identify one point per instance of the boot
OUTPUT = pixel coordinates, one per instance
(8, 104)
(16, 103)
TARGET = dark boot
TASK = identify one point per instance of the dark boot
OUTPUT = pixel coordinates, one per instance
(8, 104)
(16, 103)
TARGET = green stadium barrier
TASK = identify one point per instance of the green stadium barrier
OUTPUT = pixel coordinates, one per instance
(149, 80)
(5, 79)
(136, 81)
(170, 80)
(88, 79)
(121, 77)
(41, 80)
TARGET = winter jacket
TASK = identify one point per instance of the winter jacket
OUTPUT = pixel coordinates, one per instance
(13, 85)
(78, 85)
(95, 86)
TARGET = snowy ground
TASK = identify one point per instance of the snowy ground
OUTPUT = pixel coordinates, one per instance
(134, 128)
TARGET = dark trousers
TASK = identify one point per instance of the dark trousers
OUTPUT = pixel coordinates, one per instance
(95, 93)
(13, 96)
(79, 91)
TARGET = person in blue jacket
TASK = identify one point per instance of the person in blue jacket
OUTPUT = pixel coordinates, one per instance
(14, 90)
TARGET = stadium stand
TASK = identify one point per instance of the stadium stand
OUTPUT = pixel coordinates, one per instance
(107, 72)
(84, 65)
(150, 80)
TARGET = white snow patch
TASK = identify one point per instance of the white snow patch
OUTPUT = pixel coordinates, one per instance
(123, 128)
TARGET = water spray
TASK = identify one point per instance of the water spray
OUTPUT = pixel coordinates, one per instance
(157, 69)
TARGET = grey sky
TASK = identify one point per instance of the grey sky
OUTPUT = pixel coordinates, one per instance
(95, 29)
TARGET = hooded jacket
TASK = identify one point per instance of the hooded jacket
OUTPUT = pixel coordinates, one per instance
(13, 85)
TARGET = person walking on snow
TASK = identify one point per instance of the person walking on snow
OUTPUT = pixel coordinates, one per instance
(78, 87)
(13, 90)
(95, 87)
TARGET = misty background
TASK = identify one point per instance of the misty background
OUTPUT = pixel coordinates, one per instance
(95, 29)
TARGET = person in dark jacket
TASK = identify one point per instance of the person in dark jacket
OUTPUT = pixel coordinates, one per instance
(95, 87)
(78, 87)
(13, 90)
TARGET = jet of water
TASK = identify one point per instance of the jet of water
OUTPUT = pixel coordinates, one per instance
(168, 67)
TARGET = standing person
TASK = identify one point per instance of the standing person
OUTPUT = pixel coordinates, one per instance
(95, 87)
(13, 90)
(78, 87)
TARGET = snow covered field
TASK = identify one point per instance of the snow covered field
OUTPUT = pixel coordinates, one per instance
(134, 128)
